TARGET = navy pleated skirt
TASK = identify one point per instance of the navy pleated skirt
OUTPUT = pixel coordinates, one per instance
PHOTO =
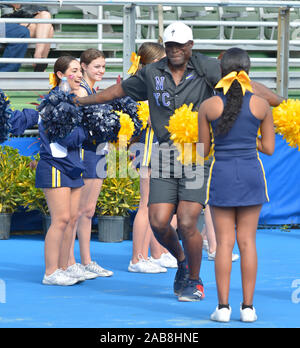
(237, 181)
(48, 176)
(95, 166)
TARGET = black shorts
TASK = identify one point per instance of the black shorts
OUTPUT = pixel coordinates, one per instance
(191, 186)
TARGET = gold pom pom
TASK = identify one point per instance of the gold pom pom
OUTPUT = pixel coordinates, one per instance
(183, 127)
(127, 129)
(287, 121)
(143, 113)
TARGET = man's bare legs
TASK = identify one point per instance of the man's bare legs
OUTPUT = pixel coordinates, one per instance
(160, 216)
(187, 284)
(187, 217)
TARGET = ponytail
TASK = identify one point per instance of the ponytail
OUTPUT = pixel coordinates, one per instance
(231, 109)
(234, 59)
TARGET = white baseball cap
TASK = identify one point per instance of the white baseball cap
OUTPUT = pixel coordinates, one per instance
(178, 32)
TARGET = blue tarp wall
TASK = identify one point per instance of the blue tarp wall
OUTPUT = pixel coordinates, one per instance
(283, 178)
(282, 172)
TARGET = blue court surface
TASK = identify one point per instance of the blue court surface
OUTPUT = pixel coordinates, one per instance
(130, 300)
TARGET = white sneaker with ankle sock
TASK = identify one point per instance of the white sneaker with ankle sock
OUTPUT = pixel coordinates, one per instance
(169, 261)
(212, 256)
(166, 260)
(78, 271)
(59, 277)
(205, 245)
(248, 315)
(145, 266)
(222, 315)
(98, 270)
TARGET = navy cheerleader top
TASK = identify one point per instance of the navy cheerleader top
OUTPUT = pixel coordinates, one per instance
(89, 144)
(241, 138)
(64, 154)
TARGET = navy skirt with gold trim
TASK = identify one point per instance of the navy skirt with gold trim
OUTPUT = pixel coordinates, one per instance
(237, 181)
(48, 176)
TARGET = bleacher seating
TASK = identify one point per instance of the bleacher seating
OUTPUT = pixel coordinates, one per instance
(202, 13)
(242, 14)
(88, 31)
(197, 14)
(271, 14)
(149, 31)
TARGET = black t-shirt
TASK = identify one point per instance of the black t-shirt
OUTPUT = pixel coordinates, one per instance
(155, 83)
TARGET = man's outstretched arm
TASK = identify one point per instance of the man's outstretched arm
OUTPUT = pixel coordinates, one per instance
(266, 93)
(108, 94)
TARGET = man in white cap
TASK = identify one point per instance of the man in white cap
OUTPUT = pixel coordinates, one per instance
(179, 78)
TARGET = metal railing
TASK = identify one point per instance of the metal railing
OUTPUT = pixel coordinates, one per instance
(229, 3)
(129, 22)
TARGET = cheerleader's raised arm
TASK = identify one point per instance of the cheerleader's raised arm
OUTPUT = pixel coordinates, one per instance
(14, 122)
(110, 93)
(22, 120)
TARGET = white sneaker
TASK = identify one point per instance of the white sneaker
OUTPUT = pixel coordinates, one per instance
(169, 260)
(100, 271)
(161, 268)
(145, 266)
(78, 271)
(75, 272)
(166, 260)
(248, 315)
(221, 315)
(212, 256)
(205, 245)
(87, 274)
(59, 277)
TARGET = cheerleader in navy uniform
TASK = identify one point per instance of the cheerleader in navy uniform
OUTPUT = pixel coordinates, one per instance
(237, 184)
(22, 120)
(93, 66)
(58, 174)
(14, 122)
(142, 235)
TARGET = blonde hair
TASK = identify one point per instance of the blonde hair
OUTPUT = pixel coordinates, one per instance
(149, 51)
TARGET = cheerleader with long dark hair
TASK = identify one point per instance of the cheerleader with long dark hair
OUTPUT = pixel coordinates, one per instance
(59, 171)
(237, 184)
